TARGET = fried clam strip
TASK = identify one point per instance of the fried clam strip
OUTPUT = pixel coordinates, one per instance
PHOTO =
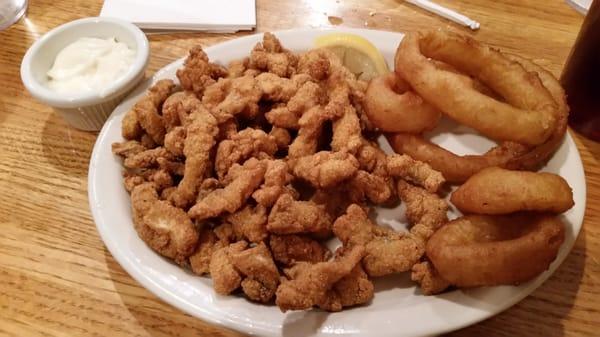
(347, 134)
(177, 108)
(280, 89)
(372, 181)
(428, 278)
(311, 123)
(289, 249)
(253, 269)
(233, 96)
(325, 284)
(277, 177)
(283, 138)
(147, 158)
(130, 127)
(209, 241)
(175, 140)
(239, 184)
(241, 146)
(426, 211)
(367, 186)
(249, 223)
(237, 68)
(323, 64)
(261, 276)
(386, 251)
(198, 73)
(166, 229)
(161, 179)
(310, 94)
(145, 114)
(225, 277)
(289, 216)
(415, 171)
(127, 148)
(325, 169)
(199, 141)
(271, 57)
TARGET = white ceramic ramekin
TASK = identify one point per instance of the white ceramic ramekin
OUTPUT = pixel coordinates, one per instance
(86, 111)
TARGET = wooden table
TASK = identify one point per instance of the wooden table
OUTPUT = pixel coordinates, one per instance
(58, 279)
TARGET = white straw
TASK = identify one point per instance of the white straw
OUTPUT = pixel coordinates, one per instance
(445, 12)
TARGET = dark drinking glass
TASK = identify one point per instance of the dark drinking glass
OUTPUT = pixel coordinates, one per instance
(581, 77)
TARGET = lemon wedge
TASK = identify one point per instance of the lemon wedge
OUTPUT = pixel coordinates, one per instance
(359, 55)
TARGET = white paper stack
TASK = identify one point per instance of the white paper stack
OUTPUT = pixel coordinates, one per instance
(204, 15)
(582, 6)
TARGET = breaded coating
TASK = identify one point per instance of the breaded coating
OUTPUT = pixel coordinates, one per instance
(127, 148)
(225, 277)
(387, 251)
(311, 124)
(425, 210)
(372, 159)
(315, 64)
(261, 276)
(289, 249)
(282, 137)
(497, 191)
(161, 179)
(175, 140)
(166, 229)
(230, 97)
(227, 129)
(325, 169)
(130, 126)
(270, 56)
(290, 216)
(147, 110)
(287, 116)
(277, 177)
(311, 285)
(241, 146)
(199, 141)
(208, 243)
(311, 127)
(147, 141)
(146, 159)
(130, 181)
(249, 223)
(176, 168)
(236, 68)
(414, 171)
(335, 200)
(239, 185)
(347, 134)
(280, 89)
(427, 277)
(178, 107)
(354, 288)
(364, 185)
(198, 73)
(206, 187)
(165, 193)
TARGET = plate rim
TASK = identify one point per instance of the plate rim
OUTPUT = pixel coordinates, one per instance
(210, 316)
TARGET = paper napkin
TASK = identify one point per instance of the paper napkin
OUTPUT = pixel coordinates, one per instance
(205, 15)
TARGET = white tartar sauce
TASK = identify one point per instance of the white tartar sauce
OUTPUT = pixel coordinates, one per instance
(89, 64)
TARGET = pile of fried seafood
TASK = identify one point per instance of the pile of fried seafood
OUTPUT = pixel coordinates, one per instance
(246, 172)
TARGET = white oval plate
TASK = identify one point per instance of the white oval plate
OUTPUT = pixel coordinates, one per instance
(398, 307)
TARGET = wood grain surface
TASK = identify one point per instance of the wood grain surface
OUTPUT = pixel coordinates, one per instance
(58, 279)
